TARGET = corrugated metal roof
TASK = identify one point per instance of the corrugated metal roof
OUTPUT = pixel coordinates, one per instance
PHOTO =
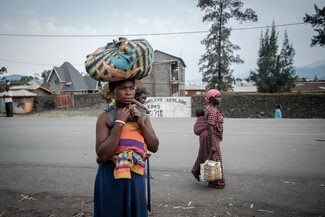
(32, 85)
(20, 93)
(251, 89)
(195, 87)
(309, 87)
(25, 87)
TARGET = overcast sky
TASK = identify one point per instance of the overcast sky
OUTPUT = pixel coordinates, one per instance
(30, 55)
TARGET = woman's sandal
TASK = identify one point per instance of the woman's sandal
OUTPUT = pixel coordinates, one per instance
(216, 186)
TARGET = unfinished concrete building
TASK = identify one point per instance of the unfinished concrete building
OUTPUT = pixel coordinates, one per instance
(167, 77)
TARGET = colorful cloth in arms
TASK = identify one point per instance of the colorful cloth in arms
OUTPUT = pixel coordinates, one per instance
(131, 152)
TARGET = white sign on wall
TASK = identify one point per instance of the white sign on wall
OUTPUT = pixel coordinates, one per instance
(169, 106)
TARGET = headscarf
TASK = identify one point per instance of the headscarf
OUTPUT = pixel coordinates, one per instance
(213, 93)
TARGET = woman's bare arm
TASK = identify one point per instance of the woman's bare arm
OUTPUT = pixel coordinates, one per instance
(107, 139)
(141, 105)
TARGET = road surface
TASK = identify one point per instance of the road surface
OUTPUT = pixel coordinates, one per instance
(272, 168)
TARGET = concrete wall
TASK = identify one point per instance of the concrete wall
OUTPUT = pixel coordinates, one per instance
(293, 105)
(169, 106)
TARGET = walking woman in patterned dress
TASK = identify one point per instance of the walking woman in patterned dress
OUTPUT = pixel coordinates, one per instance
(211, 137)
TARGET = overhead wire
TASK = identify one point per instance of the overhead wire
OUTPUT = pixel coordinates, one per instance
(30, 63)
(113, 35)
(134, 34)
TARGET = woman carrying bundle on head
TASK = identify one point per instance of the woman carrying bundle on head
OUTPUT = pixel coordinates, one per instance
(123, 135)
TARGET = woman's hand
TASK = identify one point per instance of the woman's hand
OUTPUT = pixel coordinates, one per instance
(136, 116)
(123, 114)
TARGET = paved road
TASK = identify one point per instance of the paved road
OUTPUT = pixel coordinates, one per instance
(272, 167)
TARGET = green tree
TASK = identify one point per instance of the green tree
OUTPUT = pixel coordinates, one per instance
(316, 78)
(25, 79)
(287, 72)
(215, 62)
(44, 74)
(3, 70)
(266, 61)
(318, 23)
(274, 71)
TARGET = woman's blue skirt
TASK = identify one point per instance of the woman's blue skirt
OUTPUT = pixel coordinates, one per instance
(119, 197)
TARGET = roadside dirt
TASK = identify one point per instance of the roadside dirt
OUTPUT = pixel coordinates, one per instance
(92, 111)
(44, 204)
(49, 205)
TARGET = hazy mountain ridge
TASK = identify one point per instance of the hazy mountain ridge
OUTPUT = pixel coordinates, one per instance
(309, 71)
(14, 77)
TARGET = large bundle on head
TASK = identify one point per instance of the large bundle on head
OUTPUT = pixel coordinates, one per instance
(121, 60)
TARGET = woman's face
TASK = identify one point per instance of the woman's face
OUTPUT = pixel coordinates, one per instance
(124, 93)
(142, 98)
(218, 98)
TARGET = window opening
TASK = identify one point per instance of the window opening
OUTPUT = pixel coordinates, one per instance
(174, 70)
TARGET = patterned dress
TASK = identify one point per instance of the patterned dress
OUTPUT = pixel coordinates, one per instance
(215, 118)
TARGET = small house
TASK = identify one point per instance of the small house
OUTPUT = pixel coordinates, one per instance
(22, 101)
(67, 79)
